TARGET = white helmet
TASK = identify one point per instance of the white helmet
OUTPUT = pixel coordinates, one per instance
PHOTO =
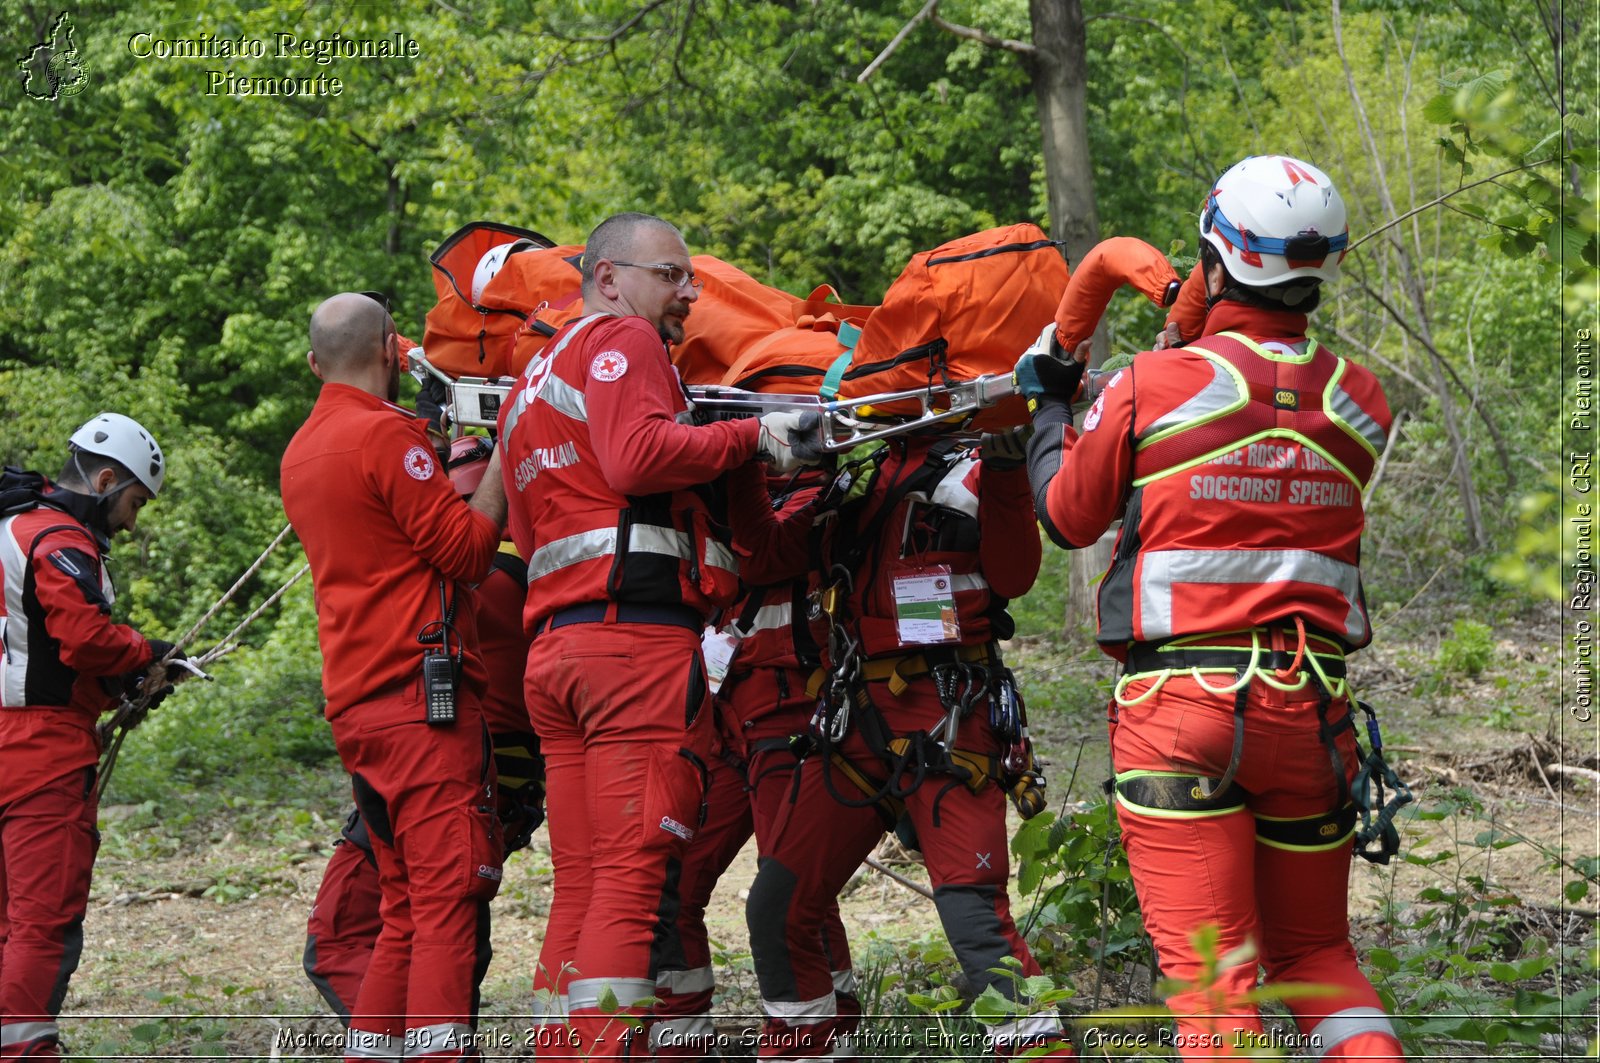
(1273, 219)
(491, 262)
(123, 440)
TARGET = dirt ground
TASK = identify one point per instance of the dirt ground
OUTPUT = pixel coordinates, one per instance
(193, 950)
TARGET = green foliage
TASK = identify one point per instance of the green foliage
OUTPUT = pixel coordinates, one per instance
(1468, 651)
(1075, 874)
(1461, 962)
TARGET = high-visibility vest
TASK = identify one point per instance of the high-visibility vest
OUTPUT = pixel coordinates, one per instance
(593, 544)
(1246, 503)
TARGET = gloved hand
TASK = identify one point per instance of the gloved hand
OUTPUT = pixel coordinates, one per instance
(134, 685)
(1045, 370)
(1004, 451)
(179, 667)
(790, 439)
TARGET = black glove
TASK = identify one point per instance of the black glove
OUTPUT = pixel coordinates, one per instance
(1045, 370)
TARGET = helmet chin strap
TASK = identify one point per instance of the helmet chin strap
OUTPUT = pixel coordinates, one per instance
(102, 499)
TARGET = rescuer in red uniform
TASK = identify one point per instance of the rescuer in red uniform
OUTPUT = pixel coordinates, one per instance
(64, 662)
(1237, 465)
(767, 652)
(607, 481)
(919, 718)
(345, 920)
(389, 542)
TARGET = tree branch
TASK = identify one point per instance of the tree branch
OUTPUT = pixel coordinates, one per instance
(1450, 195)
(898, 39)
(990, 40)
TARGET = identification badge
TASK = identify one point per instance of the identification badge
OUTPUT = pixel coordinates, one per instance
(718, 648)
(925, 607)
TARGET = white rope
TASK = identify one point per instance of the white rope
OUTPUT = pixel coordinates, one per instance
(227, 597)
(131, 712)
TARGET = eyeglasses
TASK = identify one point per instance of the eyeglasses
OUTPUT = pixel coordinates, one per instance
(676, 276)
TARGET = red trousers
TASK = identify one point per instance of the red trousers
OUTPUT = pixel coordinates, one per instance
(622, 714)
(757, 711)
(817, 843)
(345, 921)
(1192, 869)
(47, 848)
(426, 794)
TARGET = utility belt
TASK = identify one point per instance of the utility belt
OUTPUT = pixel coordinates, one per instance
(901, 668)
(1274, 655)
(622, 613)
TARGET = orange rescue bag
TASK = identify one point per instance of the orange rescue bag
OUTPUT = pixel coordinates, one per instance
(464, 336)
(965, 309)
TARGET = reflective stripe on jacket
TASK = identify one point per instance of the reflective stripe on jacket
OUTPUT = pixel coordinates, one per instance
(585, 537)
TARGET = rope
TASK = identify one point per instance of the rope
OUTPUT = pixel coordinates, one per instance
(229, 642)
(131, 712)
(227, 597)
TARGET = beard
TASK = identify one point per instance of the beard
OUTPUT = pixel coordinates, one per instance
(670, 327)
(394, 382)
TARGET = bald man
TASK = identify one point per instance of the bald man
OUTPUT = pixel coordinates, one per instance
(390, 542)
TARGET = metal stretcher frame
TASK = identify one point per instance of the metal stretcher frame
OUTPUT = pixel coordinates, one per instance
(474, 402)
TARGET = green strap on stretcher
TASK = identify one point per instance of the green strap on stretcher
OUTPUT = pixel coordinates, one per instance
(849, 336)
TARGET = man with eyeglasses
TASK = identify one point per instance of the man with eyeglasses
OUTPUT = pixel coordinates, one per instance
(390, 542)
(609, 485)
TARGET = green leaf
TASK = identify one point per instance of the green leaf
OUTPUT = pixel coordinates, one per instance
(1503, 972)
(1439, 110)
(1384, 960)
(608, 1001)
(1576, 891)
(148, 1032)
(990, 1008)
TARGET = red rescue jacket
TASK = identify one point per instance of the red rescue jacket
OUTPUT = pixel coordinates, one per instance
(978, 524)
(1240, 461)
(381, 525)
(57, 641)
(605, 483)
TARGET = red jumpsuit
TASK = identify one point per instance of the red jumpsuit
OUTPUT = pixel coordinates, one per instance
(345, 919)
(58, 643)
(605, 485)
(1238, 463)
(975, 530)
(363, 489)
(761, 706)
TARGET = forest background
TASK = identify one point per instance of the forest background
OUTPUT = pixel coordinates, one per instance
(161, 250)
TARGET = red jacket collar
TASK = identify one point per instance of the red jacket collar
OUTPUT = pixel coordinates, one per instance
(347, 395)
(1229, 316)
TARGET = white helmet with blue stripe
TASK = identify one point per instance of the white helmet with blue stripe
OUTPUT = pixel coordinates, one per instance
(1273, 219)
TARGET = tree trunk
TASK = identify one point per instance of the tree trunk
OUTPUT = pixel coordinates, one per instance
(1058, 67)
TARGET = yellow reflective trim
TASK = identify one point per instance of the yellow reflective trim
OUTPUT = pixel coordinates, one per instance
(1296, 359)
(1348, 428)
(1305, 848)
(1270, 433)
(1165, 813)
(1241, 388)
